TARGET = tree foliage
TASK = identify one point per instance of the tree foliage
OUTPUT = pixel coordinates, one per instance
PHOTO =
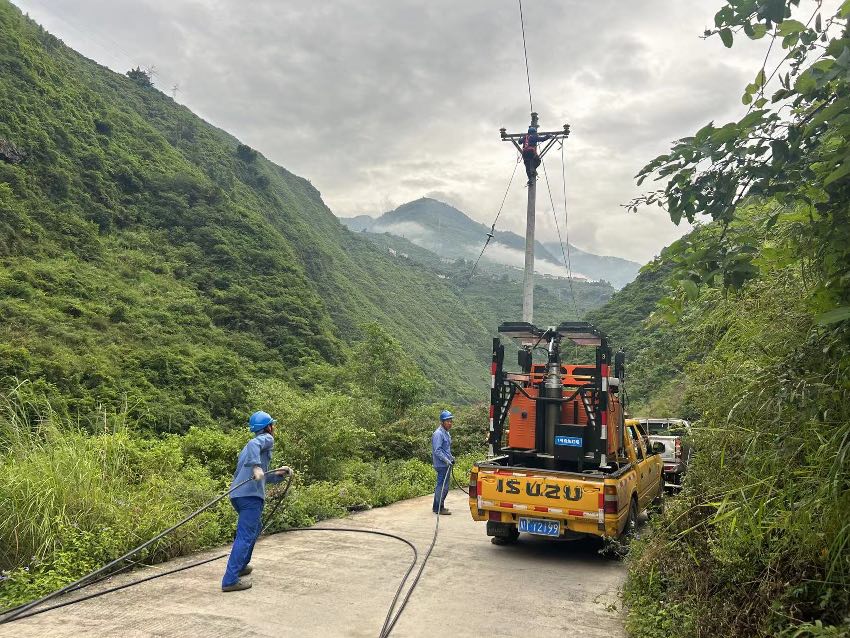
(141, 77)
(789, 150)
(754, 320)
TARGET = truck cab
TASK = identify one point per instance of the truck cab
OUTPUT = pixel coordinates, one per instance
(673, 438)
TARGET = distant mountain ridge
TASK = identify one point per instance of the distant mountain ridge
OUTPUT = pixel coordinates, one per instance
(451, 234)
(615, 270)
(448, 232)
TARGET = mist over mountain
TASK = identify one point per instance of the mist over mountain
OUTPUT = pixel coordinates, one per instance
(451, 234)
(615, 270)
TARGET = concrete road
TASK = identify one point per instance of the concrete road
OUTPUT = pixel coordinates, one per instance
(335, 584)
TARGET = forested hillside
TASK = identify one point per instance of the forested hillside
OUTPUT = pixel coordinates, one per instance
(742, 327)
(493, 291)
(148, 257)
(157, 277)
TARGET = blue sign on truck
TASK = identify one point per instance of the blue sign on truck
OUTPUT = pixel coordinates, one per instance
(571, 441)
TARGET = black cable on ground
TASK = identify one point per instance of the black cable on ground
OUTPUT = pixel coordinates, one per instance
(390, 620)
(83, 583)
(106, 568)
(404, 602)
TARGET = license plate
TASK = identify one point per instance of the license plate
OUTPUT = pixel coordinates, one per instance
(541, 526)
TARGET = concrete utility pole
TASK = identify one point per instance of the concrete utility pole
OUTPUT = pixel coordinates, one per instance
(528, 276)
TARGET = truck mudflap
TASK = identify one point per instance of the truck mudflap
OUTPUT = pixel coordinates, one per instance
(535, 495)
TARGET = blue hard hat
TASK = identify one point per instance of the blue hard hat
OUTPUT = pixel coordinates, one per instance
(260, 421)
(445, 415)
(532, 129)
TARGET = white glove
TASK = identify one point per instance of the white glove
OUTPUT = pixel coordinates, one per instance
(258, 473)
(284, 471)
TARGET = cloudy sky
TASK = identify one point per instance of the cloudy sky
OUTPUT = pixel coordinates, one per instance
(378, 102)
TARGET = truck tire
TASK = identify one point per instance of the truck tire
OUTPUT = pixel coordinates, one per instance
(508, 539)
(631, 523)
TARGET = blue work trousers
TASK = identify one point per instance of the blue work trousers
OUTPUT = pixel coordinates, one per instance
(250, 510)
(442, 487)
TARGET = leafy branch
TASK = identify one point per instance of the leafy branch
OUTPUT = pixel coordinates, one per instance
(790, 149)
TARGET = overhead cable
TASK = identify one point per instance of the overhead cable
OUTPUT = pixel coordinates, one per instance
(567, 265)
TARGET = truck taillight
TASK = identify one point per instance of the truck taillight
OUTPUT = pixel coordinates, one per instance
(494, 516)
(473, 485)
(678, 448)
(611, 502)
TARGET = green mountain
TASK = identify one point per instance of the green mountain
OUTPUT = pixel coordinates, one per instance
(494, 291)
(451, 234)
(148, 257)
(446, 231)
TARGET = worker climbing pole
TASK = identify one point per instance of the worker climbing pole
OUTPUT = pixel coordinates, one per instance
(526, 144)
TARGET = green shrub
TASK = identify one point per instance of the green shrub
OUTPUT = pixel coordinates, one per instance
(756, 544)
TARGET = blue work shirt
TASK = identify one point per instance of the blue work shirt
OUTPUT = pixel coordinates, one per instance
(441, 447)
(257, 451)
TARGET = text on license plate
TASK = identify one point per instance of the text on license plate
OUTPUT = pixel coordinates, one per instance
(540, 526)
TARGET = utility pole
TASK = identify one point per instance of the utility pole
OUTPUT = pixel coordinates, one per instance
(528, 275)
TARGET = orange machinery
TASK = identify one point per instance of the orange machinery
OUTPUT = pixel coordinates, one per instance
(560, 416)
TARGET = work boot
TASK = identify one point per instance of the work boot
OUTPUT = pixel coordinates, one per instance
(239, 585)
(245, 570)
(445, 512)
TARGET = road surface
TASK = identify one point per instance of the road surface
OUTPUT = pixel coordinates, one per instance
(334, 584)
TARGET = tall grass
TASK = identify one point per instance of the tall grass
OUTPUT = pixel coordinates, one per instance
(72, 499)
(758, 544)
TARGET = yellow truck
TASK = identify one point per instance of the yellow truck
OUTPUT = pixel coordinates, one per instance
(572, 466)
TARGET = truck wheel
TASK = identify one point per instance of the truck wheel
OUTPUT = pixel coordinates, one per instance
(510, 539)
(631, 523)
(618, 547)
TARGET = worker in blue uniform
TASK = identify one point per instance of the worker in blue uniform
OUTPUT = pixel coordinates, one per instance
(248, 499)
(529, 152)
(442, 458)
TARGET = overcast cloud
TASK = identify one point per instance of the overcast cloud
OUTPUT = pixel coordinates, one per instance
(380, 102)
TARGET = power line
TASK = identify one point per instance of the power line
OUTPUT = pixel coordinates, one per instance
(525, 53)
(566, 220)
(492, 232)
(561, 241)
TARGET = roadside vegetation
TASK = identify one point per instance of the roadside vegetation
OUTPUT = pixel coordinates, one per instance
(159, 281)
(749, 336)
(76, 495)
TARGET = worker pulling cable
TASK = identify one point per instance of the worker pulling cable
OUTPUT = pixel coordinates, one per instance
(249, 497)
(253, 460)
